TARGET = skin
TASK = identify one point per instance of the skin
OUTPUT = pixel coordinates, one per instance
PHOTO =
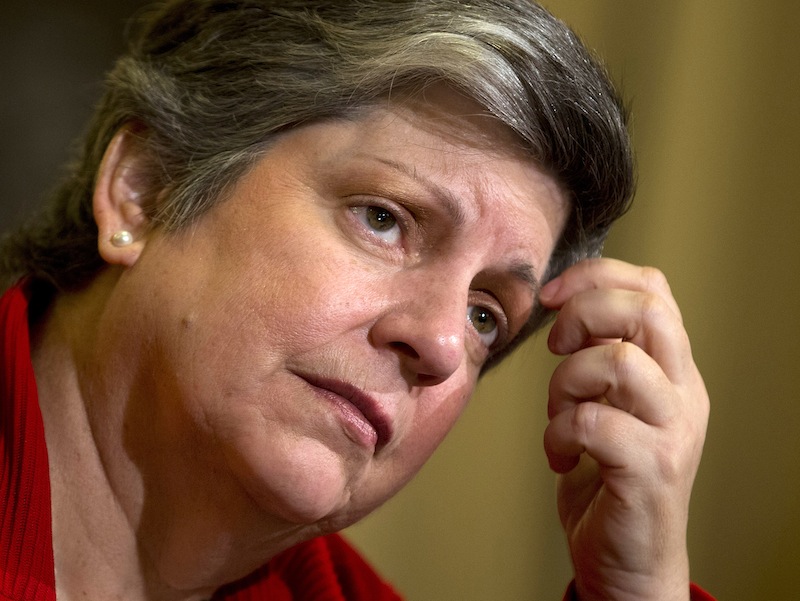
(198, 396)
(628, 413)
(259, 321)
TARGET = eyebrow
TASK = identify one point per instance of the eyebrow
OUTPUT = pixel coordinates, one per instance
(526, 273)
(452, 205)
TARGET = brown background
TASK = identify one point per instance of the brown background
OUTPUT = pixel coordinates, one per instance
(715, 88)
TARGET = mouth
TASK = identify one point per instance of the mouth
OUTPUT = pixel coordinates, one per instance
(366, 422)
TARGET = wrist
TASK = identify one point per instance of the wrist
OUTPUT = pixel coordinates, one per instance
(672, 586)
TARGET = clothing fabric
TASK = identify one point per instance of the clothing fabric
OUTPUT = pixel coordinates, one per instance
(26, 550)
(322, 569)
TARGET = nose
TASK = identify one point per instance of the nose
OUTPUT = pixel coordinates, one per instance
(425, 328)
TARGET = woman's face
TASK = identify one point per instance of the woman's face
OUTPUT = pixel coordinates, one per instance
(316, 334)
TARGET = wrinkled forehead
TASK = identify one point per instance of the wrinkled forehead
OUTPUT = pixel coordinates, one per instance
(451, 114)
(470, 139)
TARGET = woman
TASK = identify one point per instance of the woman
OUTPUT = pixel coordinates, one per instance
(240, 325)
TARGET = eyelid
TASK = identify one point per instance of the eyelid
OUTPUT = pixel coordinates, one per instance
(496, 307)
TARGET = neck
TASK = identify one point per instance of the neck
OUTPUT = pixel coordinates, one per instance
(133, 517)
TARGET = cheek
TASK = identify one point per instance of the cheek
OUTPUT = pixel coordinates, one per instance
(433, 421)
(302, 292)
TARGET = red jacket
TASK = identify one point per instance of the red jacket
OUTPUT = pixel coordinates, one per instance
(322, 569)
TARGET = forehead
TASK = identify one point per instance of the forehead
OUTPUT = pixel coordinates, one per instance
(472, 162)
(444, 156)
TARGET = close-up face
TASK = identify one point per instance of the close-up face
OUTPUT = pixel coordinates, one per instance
(317, 333)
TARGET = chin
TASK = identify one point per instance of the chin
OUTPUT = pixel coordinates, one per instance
(301, 486)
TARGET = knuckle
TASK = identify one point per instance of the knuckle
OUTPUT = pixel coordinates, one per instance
(652, 307)
(584, 420)
(671, 462)
(655, 279)
(623, 358)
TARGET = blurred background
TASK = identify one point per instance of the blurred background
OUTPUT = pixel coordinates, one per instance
(715, 91)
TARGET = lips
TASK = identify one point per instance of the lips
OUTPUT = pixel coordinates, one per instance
(368, 423)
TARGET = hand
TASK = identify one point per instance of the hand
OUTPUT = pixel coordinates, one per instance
(628, 413)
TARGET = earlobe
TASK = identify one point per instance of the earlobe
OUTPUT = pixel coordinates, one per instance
(118, 200)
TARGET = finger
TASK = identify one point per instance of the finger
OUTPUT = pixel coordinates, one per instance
(606, 273)
(622, 375)
(641, 318)
(610, 436)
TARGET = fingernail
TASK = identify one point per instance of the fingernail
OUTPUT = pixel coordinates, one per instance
(549, 290)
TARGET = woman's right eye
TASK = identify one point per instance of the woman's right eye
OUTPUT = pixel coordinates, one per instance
(381, 222)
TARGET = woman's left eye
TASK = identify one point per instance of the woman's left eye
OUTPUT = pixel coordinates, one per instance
(484, 322)
(380, 221)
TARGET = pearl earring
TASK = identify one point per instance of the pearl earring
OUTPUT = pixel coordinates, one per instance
(121, 238)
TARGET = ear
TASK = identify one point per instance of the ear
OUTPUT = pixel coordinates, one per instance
(119, 195)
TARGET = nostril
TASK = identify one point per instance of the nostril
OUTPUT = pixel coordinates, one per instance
(405, 349)
(414, 365)
(424, 345)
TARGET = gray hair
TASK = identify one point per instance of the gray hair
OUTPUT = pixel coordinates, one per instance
(208, 84)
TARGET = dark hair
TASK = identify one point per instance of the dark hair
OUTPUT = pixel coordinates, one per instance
(208, 83)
